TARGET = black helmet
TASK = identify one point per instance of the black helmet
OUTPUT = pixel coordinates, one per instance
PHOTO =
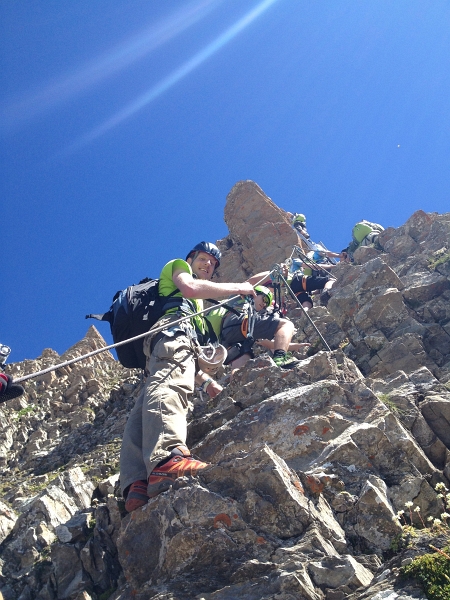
(209, 248)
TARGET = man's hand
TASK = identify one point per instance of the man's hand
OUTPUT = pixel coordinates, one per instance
(246, 289)
(284, 270)
(213, 389)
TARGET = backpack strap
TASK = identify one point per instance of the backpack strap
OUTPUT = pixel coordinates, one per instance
(209, 337)
(176, 303)
(107, 316)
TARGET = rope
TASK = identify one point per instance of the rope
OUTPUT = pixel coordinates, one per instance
(279, 275)
(137, 337)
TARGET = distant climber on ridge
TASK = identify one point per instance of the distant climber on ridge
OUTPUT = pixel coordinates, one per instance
(311, 274)
(299, 223)
(364, 233)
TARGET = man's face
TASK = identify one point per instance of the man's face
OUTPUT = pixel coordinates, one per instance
(203, 265)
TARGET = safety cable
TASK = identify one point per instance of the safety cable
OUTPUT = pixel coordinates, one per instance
(137, 337)
(279, 275)
(307, 241)
(319, 246)
(312, 264)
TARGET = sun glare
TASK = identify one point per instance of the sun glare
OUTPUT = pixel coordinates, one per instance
(178, 74)
(109, 63)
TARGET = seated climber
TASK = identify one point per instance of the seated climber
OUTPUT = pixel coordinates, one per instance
(364, 233)
(230, 323)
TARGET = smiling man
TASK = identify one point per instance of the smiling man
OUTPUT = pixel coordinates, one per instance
(154, 451)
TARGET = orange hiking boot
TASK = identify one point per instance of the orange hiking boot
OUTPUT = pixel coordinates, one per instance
(180, 463)
(137, 495)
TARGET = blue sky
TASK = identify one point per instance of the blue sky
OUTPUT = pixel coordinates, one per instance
(124, 125)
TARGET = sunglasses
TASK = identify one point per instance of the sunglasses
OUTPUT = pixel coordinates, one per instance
(266, 299)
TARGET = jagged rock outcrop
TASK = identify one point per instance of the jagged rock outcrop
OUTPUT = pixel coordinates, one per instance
(309, 466)
(260, 233)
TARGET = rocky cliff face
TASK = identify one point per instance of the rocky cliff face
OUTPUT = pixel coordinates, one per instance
(309, 466)
(260, 233)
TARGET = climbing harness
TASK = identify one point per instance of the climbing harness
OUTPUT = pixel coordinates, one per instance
(247, 328)
(278, 275)
(280, 304)
(154, 331)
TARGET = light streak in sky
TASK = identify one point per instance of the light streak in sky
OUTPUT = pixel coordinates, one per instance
(108, 64)
(176, 75)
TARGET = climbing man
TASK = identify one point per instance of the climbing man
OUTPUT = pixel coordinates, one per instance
(231, 327)
(364, 233)
(299, 223)
(304, 285)
(312, 274)
(154, 451)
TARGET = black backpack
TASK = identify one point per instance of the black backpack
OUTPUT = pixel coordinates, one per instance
(134, 311)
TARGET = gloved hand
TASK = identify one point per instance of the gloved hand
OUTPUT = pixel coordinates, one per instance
(9, 389)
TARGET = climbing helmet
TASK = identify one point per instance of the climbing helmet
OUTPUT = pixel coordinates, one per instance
(262, 290)
(209, 248)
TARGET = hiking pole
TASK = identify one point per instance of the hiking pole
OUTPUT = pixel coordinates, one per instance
(137, 337)
(312, 264)
(288, 287)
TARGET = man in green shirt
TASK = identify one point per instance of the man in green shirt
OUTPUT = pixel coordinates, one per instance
(154, 451)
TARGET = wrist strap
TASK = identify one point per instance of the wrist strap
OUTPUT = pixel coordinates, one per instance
(205, 384)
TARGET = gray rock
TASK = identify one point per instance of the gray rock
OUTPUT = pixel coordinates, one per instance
(333, 572)
(75, 529)
(436, 412)
(309, 467)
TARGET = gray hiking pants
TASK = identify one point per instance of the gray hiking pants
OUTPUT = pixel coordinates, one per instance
(157, 423)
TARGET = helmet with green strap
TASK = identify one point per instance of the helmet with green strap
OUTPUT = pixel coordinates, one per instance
(262, 290)
(299, 218)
